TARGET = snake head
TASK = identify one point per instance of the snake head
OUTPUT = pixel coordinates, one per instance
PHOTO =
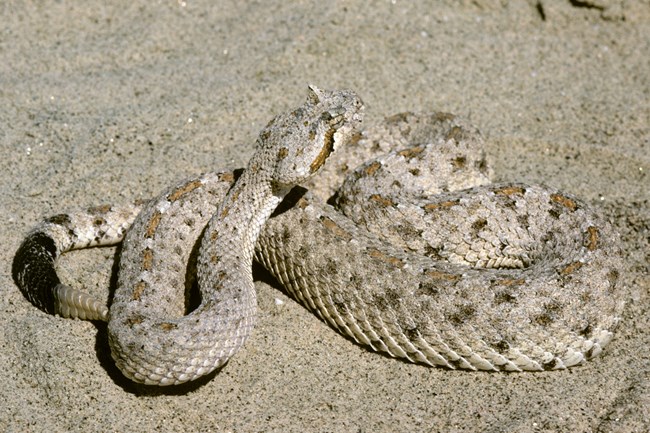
(300, 141)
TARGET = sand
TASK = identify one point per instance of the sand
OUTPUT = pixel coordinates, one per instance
(106, 104)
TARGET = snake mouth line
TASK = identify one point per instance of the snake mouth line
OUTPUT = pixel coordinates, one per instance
(326, 150)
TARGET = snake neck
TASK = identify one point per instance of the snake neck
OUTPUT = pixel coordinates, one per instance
(227, 247)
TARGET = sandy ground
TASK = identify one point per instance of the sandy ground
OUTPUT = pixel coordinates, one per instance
(104, 104)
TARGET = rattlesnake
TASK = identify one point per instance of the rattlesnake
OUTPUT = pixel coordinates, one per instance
(424, 260)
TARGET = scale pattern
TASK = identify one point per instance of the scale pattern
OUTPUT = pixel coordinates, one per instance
(416, 254)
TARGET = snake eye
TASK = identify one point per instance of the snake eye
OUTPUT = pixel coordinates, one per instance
(334, 117)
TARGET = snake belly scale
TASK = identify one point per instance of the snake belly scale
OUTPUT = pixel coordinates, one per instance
(416, 254)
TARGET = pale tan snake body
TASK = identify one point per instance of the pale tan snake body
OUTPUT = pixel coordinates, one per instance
(495, 277)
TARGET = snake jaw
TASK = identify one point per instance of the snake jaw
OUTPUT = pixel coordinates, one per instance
(325, 152)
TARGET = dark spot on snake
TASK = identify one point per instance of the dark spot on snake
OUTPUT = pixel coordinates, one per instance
(431, 207)
(265, 134)
(235, 194)
(412, 333)
(543, 319)
(99, 221)
(390, 297)
(354, 139)
(570, 268)
(357, 174)
(341, 307)
(591, 239)
(441, 276)
(501, 346)
(508, 201)
(586, 331)
(332, 267)
(549, 313)
(427, 288)
(504, 297)
(227, 177)
(183, 190)
(380, 301)
(371, 168)
(356, 281)
(590, 353)
(304, 252)
(99, 209)
(482, 165)
(554, 213)
(564, 201)
(285, 236)
(334, 228)
(459, 162)
(385, 258)
(550, 365)
(548, 238)
(134, 319)
(138, 290)
(462, 314)
(100, 235)
(479, 225)
(585, 297)
(441, 116)
(433, 252)
(510, 190)
(411, 152)
(167, 326)
(523, 221)
(60, 219)
(283, 153)
(612, 277)
(147, 259)
(397, 118)
(382, 201)
(153, 224)
(415, 171)
(408, 232)
(455, 133)
(553, 307)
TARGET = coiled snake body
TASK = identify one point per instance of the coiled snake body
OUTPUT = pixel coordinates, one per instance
(424, 258)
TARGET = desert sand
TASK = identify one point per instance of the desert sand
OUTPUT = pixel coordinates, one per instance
(107, 104)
